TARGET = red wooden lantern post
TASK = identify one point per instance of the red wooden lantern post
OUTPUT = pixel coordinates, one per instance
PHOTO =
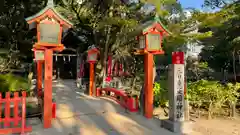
(39, 58)
(91, 59)
(150, 36)
(50, 26)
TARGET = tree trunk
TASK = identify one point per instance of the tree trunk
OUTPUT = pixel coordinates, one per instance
(234, 66)
(210, 111)
(104, 64)
(233, 108)
(133, 83)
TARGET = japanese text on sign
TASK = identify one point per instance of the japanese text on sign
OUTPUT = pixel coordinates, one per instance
(179, 93)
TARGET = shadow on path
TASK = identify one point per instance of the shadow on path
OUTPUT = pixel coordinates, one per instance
(78, 114)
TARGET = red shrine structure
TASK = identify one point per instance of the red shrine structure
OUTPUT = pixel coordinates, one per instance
(150, 35)
(50, 25)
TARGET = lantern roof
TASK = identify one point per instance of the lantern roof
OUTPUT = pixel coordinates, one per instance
(50, 11)
(153, 22)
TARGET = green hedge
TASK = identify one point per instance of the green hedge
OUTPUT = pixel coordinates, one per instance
(211, 95)
(10, 82)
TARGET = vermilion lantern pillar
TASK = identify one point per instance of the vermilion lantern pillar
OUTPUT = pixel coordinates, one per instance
(150, 36)
(91, 59)
(39, 58)
(50, 26)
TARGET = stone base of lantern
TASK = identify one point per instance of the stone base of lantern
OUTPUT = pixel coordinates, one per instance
(184, 127)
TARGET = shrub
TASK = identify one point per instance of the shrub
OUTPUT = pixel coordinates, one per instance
(212, 95)
(9, 82)
(160, 94)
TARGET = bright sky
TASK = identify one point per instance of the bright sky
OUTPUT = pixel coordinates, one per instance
(192, 3)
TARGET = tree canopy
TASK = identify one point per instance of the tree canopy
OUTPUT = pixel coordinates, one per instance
(222, 49)
(107, 23)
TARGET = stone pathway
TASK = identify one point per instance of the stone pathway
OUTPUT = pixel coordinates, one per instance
(79, 114)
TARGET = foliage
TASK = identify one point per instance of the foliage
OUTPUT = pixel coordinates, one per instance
(160, 94)
(198, 70)
(212, 95)
(221, 50)
(14, 34)
(9, 82)
(162, 7)
(105, 24)
(101, 23)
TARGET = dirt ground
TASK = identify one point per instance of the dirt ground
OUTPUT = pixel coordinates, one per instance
(203, 126)
(217, 126)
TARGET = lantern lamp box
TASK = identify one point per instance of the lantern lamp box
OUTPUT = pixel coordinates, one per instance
(39, 55)
(150, 35)
(92, 55)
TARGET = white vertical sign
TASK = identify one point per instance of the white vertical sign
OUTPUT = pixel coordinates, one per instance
(178, 89)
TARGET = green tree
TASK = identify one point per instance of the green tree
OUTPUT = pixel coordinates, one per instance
(105, 24)
(14, 37)
(222, 48)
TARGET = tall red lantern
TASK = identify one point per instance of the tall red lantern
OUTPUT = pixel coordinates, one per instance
(92, 55)
(150, 35)
(49, 25)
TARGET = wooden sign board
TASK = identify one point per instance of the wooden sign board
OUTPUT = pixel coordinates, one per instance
(49, 33)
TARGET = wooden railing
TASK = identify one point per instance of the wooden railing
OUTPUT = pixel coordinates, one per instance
(15, 116)
(120, 96)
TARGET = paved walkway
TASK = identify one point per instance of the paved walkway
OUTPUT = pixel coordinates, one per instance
(78, 114)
